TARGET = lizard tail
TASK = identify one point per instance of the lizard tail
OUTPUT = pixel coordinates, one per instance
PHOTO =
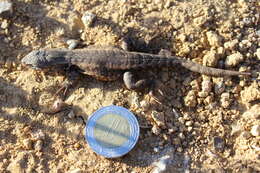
(210, 70)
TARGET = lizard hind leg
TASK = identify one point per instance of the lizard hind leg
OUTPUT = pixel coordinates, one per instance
(132, 83)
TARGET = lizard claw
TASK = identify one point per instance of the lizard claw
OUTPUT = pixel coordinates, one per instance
(65, 86)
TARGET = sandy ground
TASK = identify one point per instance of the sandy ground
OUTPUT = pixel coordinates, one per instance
(203, 123)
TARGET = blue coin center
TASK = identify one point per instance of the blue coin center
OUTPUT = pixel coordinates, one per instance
(111, 130)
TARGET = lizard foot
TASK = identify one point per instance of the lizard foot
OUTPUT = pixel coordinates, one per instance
(133, 84)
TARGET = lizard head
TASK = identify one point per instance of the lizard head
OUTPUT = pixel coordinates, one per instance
(36, 59)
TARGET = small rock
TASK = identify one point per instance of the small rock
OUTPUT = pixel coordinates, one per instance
(181, 135)
(76, 171)
(172, 130)
(188, 123)
(5, 5)
(189, 129)
(191, 100)
(245, 44)
(38, 135)
(203, 94)
(71, 114)
(168, 4)
(225, 100)
(234, 59)
(257, 53)
(220, 51)
(231, 44)
(211, 58)
(27, 144)
(4, 24)
(182, 37)
(134, 100)
(208, 100)
(88, 19)
(235, 129)
(58, 105)
(19, 163)
(255, 130)
(251, 93)
(245, 135)
(72, 43)
(213, 39)
(179, 149)
(156, 149)
(253, 112)
(156, 130)
(195, 85)
(38, 145)
(145, 105)
(176, 141)
(161, 164)
(218, 144)
(158, 118)
(206, 86)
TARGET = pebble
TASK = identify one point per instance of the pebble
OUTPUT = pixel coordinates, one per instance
(188, 123)
(16, 165)
(255, 130)
(234, 59)
(145, 105)
(77, 170)
(206, 86)
(176, 141)
(181, 135)
(156, 130)
(5, 5)
(27, 144)
(203, 94)
(195, 85)
(158, 118)
(211, 58)
(179, 149)
(189, 129)
(252, 113)
(156, 149)
(231, 45)
(213, 39)
(161, 164)
(218, 144)
(58, 105)
(38, 135)
(235, 129)
(72, 43)
(38, 145)
(250, 94)
(245, 135)
(88, 18)
(257, 53)
(191, 100)
(208, 100)
(4, 24)
(71, 114)
(225, 100)
(245, 44)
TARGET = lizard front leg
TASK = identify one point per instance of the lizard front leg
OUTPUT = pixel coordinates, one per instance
(72, 77)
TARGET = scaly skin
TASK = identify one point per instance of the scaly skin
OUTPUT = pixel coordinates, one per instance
(109, 64)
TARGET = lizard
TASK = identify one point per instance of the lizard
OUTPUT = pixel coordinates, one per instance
(109, 64)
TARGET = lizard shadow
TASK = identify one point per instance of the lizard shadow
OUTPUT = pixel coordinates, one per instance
(14, 104)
